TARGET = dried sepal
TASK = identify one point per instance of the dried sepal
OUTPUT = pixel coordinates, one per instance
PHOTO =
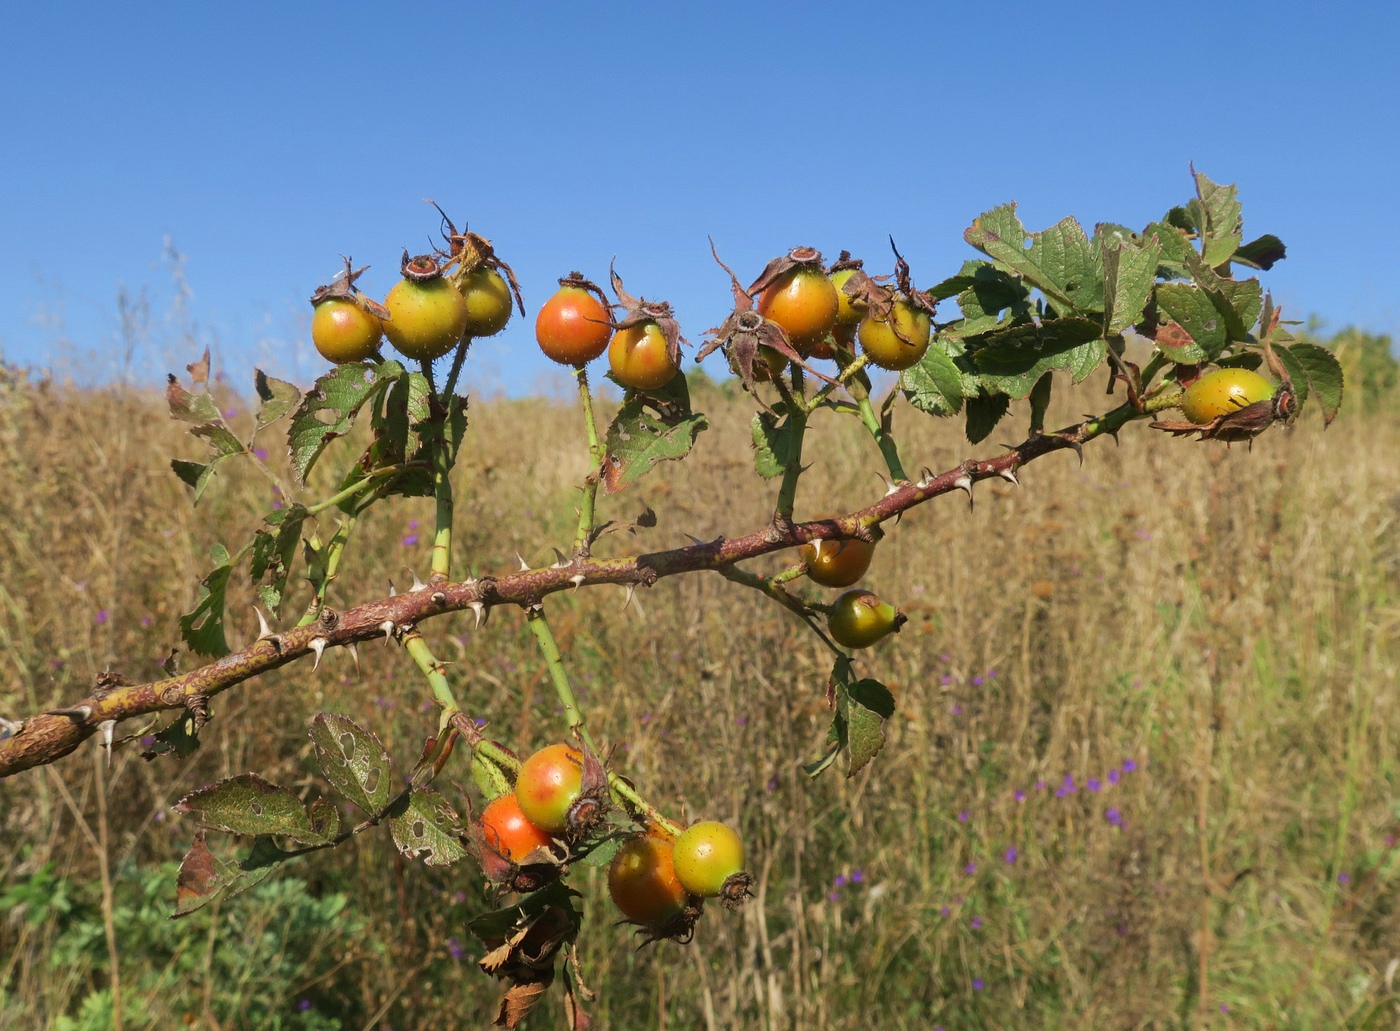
(1243, 424)
(468, 251)
(343, 287)
(798, 257)
(637, 310)
(745, 331)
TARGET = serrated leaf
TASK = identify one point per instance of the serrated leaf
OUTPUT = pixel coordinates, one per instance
(196, 474)
(247, 804)
(1324, 374)
(1221, 225)
(188, 407)
(775, 444)
(1012, 360)
(1244, 360)
(868, 703)
(992, 300)
(353, 760)
(1059, 260)
(423, 824)
(1176, 246)
(273, 554)
(835, 739)
(934, 384)
(179, 738)
(325, 819)
(983, 414)
(1239, 302)
(601, 854)
(203, 626)
(276, 397)
(203, 877)
(1129, 273)
(1192, 309)
(220, 439)
(329, 408)
(650, 427)
(1264, 252)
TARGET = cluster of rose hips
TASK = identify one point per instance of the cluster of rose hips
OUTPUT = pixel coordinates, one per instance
(658, 881)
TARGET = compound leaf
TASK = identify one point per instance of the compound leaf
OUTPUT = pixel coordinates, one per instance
(1059, 261)
(650, 427)
(935, 383)
(329, 408)
(423, 824)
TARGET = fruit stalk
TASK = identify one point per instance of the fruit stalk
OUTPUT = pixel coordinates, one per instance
(549, 648)
(443, 459)
(434, 671)
(596, 453)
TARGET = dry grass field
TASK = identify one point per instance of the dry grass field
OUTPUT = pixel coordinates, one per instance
(1142, 773)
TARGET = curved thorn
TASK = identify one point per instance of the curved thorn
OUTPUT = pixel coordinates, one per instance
(481, 611)
(631, 590)
(388, 627)
(355, 654)
(524, 566)
(964, 482)
(577, 580)
(418, 584)
(694, 540)
(318, 645)
(816, 543)
(107, 727)
(264, 631)
(562, 562)
(393, 591)
(1009, 475)
(80, 713)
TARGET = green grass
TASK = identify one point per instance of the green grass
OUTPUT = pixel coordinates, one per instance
(1228, 620)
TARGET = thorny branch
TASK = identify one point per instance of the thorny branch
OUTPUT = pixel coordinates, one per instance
(48, 736)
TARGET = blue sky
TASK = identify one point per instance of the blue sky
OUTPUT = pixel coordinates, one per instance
(264, 140)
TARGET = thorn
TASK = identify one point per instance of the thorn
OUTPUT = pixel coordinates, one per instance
(355, 654)
(318, 645)
(1078, 448)
(264, 631)
(470, 581)
(1009, 475)
(577, 580)
(964, 482)
(388, 627)
(817, 547)
(890, 487)
(524, 566)
(10, 728)
(81, 713)
(631, 590)
(393, 591)
(482, 613)
(563, 563)
(926, 476)
(694, 540)
(107, 727)
(418, 584)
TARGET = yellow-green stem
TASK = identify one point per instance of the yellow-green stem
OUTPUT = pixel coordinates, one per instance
(549, 648)
(886, 443)
(596, 453)
(442, 469)
(433, 670)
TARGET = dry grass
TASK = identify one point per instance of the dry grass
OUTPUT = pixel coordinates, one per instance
(1226, 620)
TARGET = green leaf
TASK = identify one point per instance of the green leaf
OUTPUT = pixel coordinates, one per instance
(1239, 302)
(1324, 376)
(935, 383)
(868, 704)
(1296, 373)
(203, 877)
(835, 741)
(423, 824)
(1176, 246)
(197, 475)
(247, 804)
(1193, 310)
(353, 760)
(650, 427)
(992, 300)
(1129, 273)
(273, 555)
(601, 854)
(220, 439)
(1262, 253)
(329, 408)
(1012, 360)
(179, 738)
(775, 444)
(276, 397)
(983, 414)
(1059, 260)
(499, 923)
(1221, 223)
(1244, 360)
(203, 626)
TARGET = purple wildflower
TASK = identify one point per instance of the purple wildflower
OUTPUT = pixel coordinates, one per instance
(1011, 854)
(410, 539)
(957, 710)
(455, 950)
(834, 896)
(229, 413)
(146, 621)
(1129, 766)
(978, 984)
(964, 816)
(975, 923)
(1344, 878)
(741, 721)
(943, 910)
(839, 880)
(304, 1005)
(857, 876)
(1093, 784)
(977, 681)
(260, 453)
(1019, 796)
(1113, 776)
(970, 869)
(1040, 785)
(1113, 816)
(101, 617)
